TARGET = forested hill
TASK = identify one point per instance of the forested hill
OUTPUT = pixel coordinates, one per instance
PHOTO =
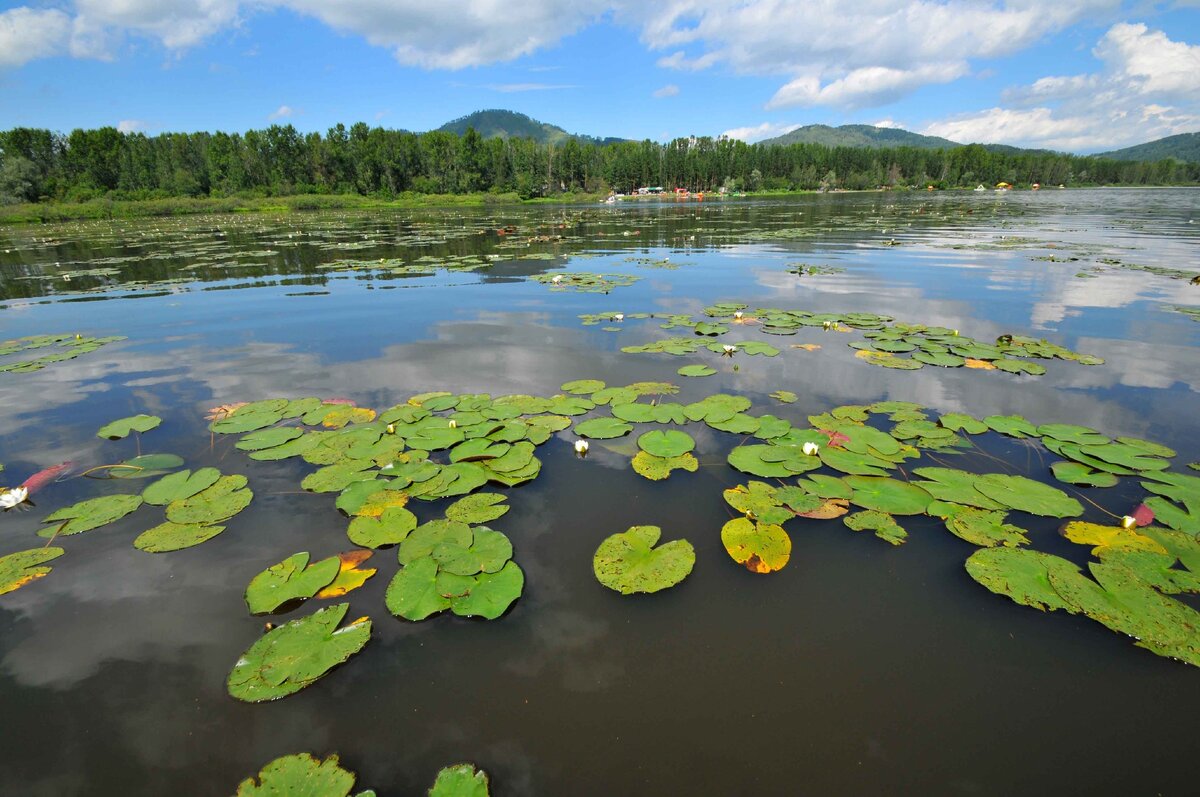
(497, 123)
(1184, 147)
(859, 136)
(40, 165)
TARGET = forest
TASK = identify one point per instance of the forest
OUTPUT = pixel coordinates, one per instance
(39, 165)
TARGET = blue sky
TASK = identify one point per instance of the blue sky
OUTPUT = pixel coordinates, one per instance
(1079, 75)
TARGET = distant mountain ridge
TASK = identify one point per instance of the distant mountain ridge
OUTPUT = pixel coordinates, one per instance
(859, 136)
(1184, 147)
(499, 123)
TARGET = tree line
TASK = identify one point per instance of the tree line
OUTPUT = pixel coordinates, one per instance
(39, 165)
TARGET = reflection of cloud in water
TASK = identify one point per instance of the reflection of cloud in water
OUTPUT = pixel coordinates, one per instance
(1065, 294)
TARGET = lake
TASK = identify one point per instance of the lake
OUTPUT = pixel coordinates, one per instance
(860, 667)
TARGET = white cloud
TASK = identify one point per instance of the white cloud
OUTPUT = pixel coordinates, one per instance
(27, 34)
(282, 112)
(864, 87)
(131, 125)
(887, 123)
(511, 88)
(669, 90)
(759, 132)
(1148, 88)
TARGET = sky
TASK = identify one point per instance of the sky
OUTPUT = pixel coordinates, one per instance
(1072, 75)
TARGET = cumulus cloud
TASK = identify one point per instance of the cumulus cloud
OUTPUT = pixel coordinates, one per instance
(865, 87)
(131, 125)
(282, 112)
(669, 90)
(759, 132)
(27, 33)
(1148, 88)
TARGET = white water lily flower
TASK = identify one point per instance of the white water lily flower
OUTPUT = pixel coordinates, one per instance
(391, 428)
(13, 497)
(738, 315)
(453, 424)
(810, 449)
(557, 278)
(619, 317)
(728, 350)
(1128, 522)
(581, 446)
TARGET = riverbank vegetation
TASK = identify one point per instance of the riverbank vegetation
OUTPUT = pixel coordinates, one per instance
(98, 173)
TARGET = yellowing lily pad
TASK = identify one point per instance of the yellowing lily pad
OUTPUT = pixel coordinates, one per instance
(1109, 537)
(350, 576)
(760, 547)
(629, 562)
(658, 468)
(20, 568)
(299, 775)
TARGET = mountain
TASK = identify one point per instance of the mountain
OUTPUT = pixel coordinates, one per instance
(859, 136)
(495, 123)
(1184, 147)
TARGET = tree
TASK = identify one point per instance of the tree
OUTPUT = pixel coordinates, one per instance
(18, 177)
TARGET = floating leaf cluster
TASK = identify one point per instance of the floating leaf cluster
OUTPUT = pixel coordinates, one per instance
(585, 281)
(62, 348)
(303, 775)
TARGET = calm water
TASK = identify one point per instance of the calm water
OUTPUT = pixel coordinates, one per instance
(858, 669)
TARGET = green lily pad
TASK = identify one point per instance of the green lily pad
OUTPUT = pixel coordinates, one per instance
(335, 478)
(603, 428)
(1153, 449)
(658, 468)
(168, 536)
(884, 525)
(826, 487)
(1125, 456)
(20, 568)
(268, 438)
(1080, 474)
(1022, 575)
(90, 514)
(292, 579)
(488, 553)
(245, 419)
(296, 654)
(629, 562)
(299, 775)
(955, 486)
(1070, 433)
(1011, 425)
(985, 528)
(888, 495)
(146, 466)
(390, 528)
(759, 547)
(853, 462)
(119, 429)
(228, 496)
(1027, 495)
(293, 448)
(179, 485)
(761, 501)
(477, 508)
(460, 780)
(491, 594)
(478, 449)
(785, 396)
(958, 422)
(413, 593)
(696, 370)
(670, 443)
(583, 387)
(428, 536)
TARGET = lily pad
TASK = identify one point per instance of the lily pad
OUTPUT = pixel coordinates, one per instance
(20, 568)
(658, 468)
(292, 579)
(1106, 538)
(670, 443)
(296, 654)
(90, 514)
(760, 547)
(956, 486)
(390, 528)
(168, 536)
(603, 428)
(477, 508)
(492, 593)
(180, 485)
(696, 370)
(583, 387)
(145, 466)
(460, 780)
(888, 495)
(413, 593)
(985, 528)
(228, 496)
(350, 575)
(629, 562)
(884, 525)
(119, 429)
(1027, 495)
(299, 775)
(1080, 474)
(268, 438)
(1011, 425)
(1022, 575)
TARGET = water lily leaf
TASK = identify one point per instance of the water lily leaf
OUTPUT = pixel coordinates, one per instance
(1070, 433)
(335, 478)
(380, 501)
(582, 387)
(1153, 449)
(760, 501)
(752, 460)
(956, 486)
(760, 547)
(629, 562)
(168, 536)
(1109, 537)
(754, 347)
(145, 466)
(292, 579)
(293, 448)
(428, 536)
(738, 423)
(1126, 456)
(228, 496)
(268, 438)
(603, 428)
(90, 514)
(299, 775)
(883, 524)
(824, 486)
(1171, 515)
(119, 429)
(20, 568)
(352, 499)
(958, 422)
(477, 508)
(614, 396)
(634, 412)
(390, 528)
(831, 508)
(480, 448)
(1011, 425)
(785, 396)
(487, 553)
(349, 575)
(343, 414)
(179, 485)
(1080, 474)
(670, 443)
(696, 370)
(492, 593)
(1022, 575)
(1027, 495)
(516, 458)
(245, 419)
(888, 495)
(460, 780)
(413, 593)
(984, 528)
(658, 468)
(853, 462)
(296, 654)
(943, 359)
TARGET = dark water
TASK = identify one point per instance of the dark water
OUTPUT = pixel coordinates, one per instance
(858, 669)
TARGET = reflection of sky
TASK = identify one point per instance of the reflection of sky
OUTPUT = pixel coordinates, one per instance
(115, 661)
